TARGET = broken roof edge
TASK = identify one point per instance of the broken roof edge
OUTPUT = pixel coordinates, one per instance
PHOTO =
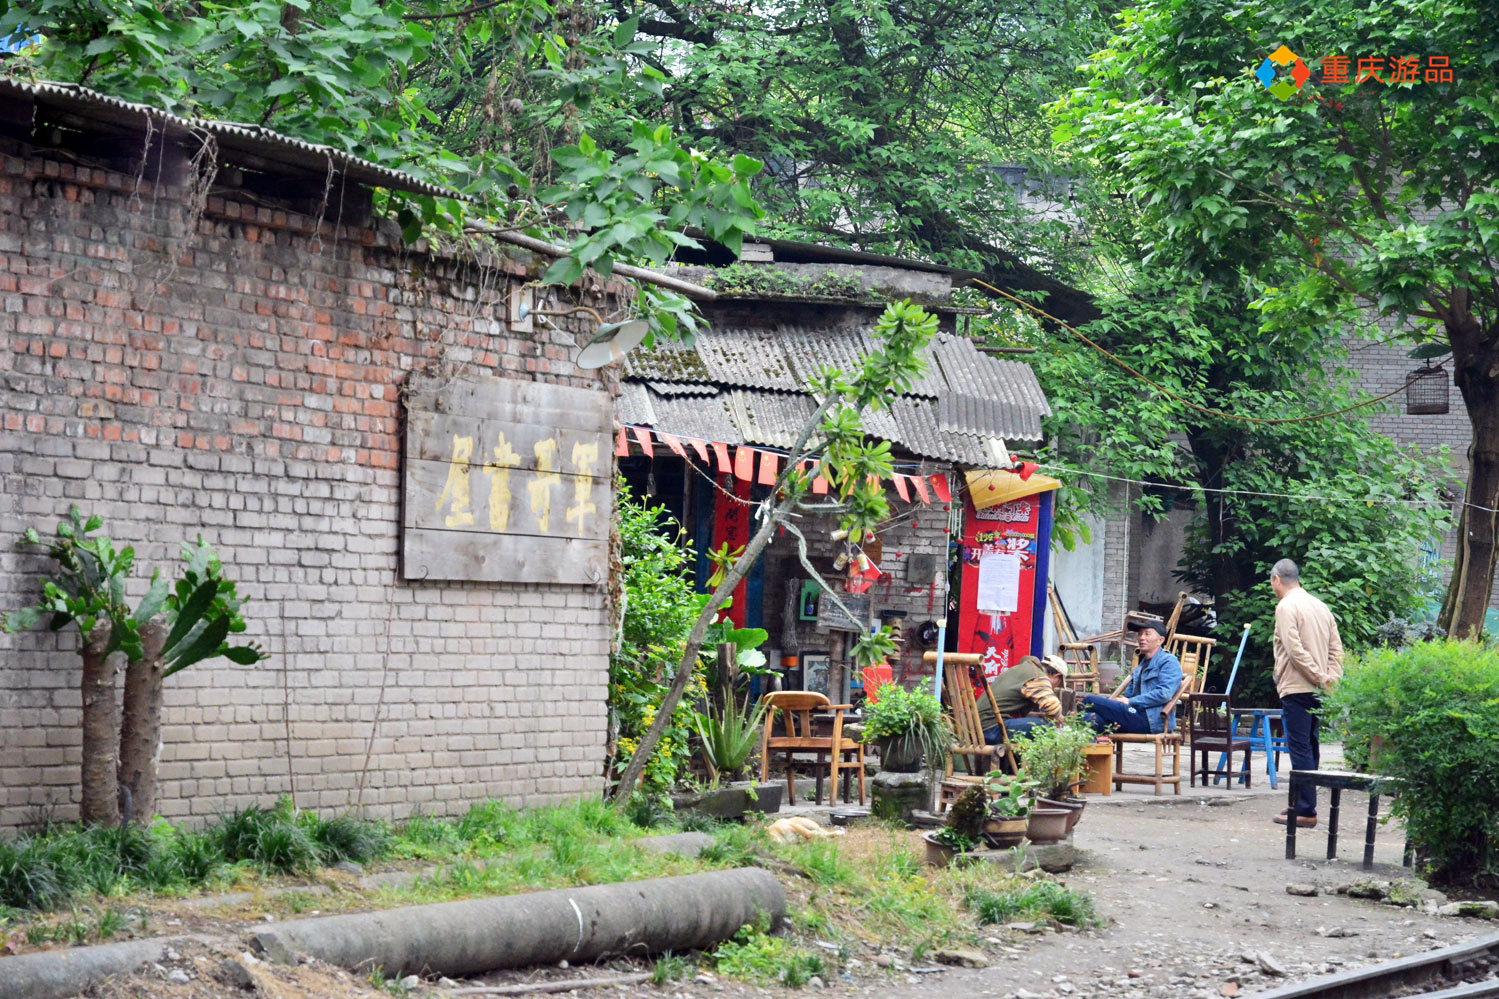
(85, 105)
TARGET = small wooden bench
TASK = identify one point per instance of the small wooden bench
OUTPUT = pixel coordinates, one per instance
(1337, 781)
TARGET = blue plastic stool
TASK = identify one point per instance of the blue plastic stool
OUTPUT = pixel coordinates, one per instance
(1261, 737)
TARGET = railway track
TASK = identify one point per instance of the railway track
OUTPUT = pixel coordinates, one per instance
(1462, 971)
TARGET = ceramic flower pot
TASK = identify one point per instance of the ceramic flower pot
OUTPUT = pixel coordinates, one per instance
(1003, 833)
(902, 755)
(1074, 808)
(938, 854)
(1047, 825)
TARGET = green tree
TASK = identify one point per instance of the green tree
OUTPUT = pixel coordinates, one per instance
(888, 126)
(361, 77)
(1349, 506)
(170, 630)
(834, 439)
(1382, 196)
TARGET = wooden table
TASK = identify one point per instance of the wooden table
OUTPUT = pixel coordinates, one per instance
(1337, 781)
(1099, 777)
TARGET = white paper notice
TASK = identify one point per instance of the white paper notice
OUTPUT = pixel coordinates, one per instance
(999, 584)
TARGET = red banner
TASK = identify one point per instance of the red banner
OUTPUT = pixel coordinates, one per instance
(1009, 529)
(731, 526)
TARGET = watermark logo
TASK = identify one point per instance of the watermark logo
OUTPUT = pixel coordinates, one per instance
(1283, 73)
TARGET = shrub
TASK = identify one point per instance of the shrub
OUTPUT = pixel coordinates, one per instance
(900, 712)
(660, 609)
(348, 838)
(1054, 757)
(1429, 715)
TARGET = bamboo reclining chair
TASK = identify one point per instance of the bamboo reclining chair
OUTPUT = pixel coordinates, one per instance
(978, 757)
(1162, 741)
(793, 709)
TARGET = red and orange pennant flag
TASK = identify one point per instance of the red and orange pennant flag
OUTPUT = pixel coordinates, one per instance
(900, 487)
(622, 444)
(939, 486)
(644, 437)
(744, 463)
(768, 466)
(721, 449)
(673, 443)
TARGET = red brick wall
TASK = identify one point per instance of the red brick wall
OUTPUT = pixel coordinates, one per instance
(241, 382)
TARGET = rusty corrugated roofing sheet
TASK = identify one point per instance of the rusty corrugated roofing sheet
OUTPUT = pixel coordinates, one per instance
(749, 385)
(231, 136)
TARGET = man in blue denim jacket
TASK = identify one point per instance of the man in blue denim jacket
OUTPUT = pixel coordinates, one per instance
(1155, 681)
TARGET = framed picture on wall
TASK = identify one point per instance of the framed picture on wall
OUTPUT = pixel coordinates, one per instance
(814, 668)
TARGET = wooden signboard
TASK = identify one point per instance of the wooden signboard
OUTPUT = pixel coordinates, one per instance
(507, 481)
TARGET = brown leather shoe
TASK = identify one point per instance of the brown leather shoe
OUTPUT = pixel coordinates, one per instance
(1302, 821)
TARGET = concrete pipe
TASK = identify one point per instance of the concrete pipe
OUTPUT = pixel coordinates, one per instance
(55, 974)
(577, 924)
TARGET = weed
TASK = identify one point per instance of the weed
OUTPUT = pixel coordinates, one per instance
(111, 921)
(348, 838)
(646, 811)
(820, 861)
(239, 832)
(756, 956)
(1041, 900)
(285, 847)
(668, 968)
(27, 878)
(74, 931)
(298, 901)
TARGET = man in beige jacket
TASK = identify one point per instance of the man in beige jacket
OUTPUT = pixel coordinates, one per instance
(1308, 660)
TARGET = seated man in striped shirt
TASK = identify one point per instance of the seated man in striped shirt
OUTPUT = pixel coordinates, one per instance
(1027, 696)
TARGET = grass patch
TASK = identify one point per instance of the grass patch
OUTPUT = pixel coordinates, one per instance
(1034, 903)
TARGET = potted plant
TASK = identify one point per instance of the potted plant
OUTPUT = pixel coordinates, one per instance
(1009, 810)
(965, 825)
(1055, 758)
(728, 739)
(906, 726)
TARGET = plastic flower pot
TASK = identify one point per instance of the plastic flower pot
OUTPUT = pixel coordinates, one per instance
(1074, 808)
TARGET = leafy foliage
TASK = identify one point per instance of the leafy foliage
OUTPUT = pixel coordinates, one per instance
(1035, 902)
(88, 585)
(730, 736)
(1428, 714)
(833, 438)
(899, 712)
(660, 607)
(966, 815)
(1346, 196)
(491, 101)
(1052, 757)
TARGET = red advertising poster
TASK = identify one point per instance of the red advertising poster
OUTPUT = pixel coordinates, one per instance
(731, 527)
(1006, 532)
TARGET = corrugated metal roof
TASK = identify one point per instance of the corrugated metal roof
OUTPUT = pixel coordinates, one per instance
(231, 136)
(988, 396)
(748, 386)
(772, 419)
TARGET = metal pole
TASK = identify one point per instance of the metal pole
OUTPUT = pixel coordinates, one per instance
(1229, 689)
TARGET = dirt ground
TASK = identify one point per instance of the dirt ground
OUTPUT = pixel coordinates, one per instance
(1193, 889)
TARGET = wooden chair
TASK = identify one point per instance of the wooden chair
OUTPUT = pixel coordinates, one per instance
(1162, 741)
(794, 710)
(1081, 657)
(1210, 719)
(978, 756)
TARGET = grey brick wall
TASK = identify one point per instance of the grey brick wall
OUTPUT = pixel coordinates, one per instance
(242, 384)
(1381, 364)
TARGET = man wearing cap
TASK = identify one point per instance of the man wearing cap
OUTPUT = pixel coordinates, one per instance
(1137, 711)
(1021, 691)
